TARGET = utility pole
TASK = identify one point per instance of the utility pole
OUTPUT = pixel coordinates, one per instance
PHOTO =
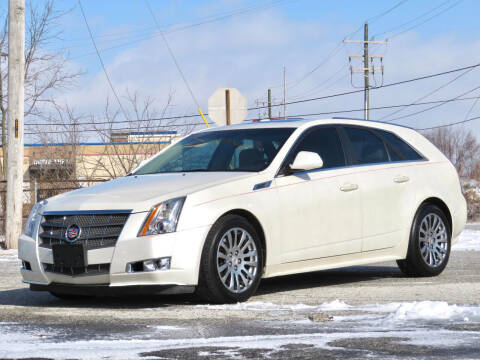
(269, 97)
(16, 73)
(366, 69)
(284, 94)
(227, 105)
(366, 72)
(4, 127)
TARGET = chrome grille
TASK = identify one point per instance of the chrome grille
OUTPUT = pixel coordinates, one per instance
(98, 230)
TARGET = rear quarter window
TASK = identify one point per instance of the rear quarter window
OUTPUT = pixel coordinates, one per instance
(399, 149)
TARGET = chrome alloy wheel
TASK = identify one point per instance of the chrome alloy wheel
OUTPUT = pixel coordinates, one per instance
(237, 260)
(433, 240)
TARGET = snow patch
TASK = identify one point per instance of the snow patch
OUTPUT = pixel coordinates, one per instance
(8, 255)
(469, 241)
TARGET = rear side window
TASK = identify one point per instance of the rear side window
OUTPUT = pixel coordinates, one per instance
(326, 143)
(367, 148)
(399, 150)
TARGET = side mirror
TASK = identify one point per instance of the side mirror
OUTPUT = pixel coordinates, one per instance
(306, 160)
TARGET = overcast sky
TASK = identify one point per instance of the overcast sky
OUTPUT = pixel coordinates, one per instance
(249, 49)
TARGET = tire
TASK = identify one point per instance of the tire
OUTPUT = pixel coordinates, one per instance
(430, 242)
(232, 252)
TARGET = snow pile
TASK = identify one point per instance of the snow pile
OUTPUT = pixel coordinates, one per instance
(259, 306)
(469, 241)
(335, 305)
(435, 310)
(8, 255)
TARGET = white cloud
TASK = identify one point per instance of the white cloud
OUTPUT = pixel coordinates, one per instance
(248, 53)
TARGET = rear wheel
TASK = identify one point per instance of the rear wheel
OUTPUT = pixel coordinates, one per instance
(430, 240)
(232, 261)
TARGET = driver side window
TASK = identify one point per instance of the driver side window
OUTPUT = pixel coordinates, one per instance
(325, 142)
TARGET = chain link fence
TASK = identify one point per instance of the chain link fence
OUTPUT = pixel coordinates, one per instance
(38, 190)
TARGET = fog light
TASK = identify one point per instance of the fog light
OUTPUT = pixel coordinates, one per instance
(150, 265)
(157, 264)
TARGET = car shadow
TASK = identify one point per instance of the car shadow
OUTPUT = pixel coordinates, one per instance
(343, 276)
(25, 297)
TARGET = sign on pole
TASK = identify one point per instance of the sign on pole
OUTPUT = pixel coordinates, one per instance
(227, 106)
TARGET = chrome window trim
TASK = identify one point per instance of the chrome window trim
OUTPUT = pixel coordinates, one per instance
(353, 166)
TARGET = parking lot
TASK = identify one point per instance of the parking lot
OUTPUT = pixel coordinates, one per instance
(354, 312)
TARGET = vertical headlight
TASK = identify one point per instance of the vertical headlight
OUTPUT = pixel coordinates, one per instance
(163, 218)
(33, 217)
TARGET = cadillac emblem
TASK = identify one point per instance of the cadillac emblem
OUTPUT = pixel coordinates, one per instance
(72, 233)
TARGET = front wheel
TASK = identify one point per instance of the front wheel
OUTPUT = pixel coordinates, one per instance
(430, 240)
(232, 261)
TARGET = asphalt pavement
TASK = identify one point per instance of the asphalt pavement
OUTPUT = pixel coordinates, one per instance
(353, 312)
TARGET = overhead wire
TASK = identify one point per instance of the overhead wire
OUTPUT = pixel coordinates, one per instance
(428, 94)
(151, 127)
(101, 61)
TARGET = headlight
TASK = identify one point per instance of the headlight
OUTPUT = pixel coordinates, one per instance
(163, 218)
(33, 217)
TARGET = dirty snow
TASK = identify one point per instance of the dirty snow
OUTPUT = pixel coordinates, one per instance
(469, 241)
(416, 323)
(8, 255)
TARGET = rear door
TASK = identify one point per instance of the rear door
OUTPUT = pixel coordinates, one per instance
(320, 210)
(386, 183)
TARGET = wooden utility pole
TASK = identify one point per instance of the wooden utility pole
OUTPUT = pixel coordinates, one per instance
(366, 72)
(366, 69)
(16, 73)
(269, 104)
(227, 105)
(284, 93)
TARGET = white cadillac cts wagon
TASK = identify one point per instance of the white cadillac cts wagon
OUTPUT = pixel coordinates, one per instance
(224, 207)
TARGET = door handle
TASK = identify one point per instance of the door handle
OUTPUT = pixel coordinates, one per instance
(349, 187)
(401, 179)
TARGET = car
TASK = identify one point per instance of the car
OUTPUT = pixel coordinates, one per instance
(224, 207)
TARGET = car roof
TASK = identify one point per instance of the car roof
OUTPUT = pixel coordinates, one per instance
(297, 123)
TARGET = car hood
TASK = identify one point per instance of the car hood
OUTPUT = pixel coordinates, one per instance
(138, 193)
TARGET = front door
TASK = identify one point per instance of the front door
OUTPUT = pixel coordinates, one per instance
(320, 210)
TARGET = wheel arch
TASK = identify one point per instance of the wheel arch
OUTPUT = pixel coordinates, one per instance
(252, 219)
(443, 206)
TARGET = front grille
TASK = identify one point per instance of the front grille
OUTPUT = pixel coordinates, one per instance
(97, 269)
(96, 230)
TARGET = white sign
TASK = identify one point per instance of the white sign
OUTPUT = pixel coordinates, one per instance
(217, 106)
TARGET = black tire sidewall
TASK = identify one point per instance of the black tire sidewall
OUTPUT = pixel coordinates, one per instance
(209, 274)
(414, 253)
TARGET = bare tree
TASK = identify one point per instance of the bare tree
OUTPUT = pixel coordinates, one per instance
(127, 142)
(459, 145)
(45, 70)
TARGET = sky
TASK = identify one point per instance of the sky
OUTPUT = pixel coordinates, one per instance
(248, 50)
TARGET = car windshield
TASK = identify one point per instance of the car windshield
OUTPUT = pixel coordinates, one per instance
(227, 150)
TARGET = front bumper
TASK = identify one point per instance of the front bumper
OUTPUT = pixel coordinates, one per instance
(105, 290)
(184, 247)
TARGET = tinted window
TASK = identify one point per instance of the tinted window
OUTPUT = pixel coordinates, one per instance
(326, 143)
(229, 150)
(399, 149)
(367, 148)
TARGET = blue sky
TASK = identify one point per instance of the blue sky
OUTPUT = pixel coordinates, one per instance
(248, 52)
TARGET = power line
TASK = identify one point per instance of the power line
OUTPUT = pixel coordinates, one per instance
(340, 44)
(372, 88)
(251, 119)
(306, 100)
(426, 20)
(140, 38)
(450, 124)
(427, 95)
(435, 106)
(171, 54)
(101, 61)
